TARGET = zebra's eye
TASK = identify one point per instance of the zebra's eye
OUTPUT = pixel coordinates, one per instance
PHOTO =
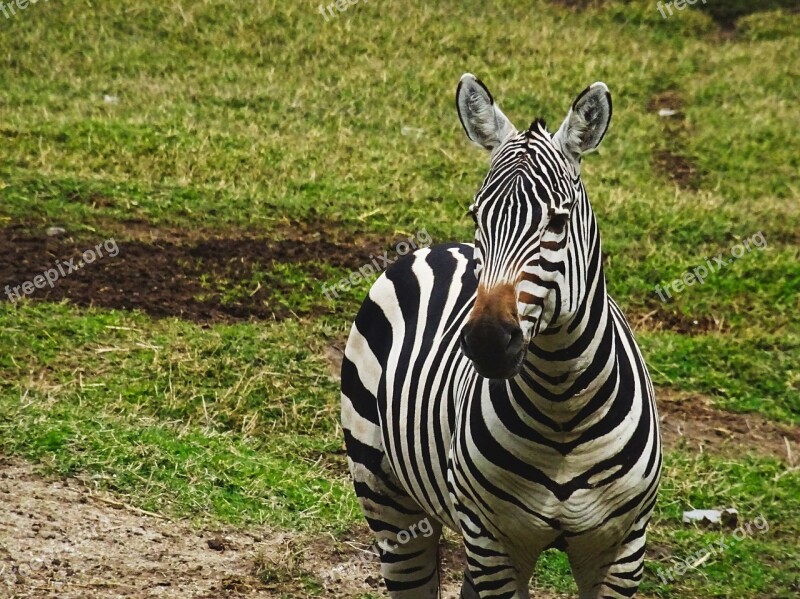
(558, 222)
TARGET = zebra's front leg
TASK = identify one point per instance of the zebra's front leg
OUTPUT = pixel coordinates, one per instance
(491, 573)
(611, 574)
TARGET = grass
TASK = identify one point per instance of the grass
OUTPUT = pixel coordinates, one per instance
(224, 116)
(138, 404)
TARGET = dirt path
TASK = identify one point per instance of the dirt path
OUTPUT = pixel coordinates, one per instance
(688, 420)
(58, 540)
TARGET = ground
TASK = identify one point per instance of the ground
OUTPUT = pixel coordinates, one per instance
(239, 163)
(62, 540)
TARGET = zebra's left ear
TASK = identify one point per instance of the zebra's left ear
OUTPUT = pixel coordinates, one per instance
(586, 123)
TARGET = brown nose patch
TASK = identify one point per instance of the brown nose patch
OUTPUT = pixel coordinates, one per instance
(498, 303)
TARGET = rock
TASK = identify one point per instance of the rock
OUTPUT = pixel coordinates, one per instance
(55, 231)
(412, 131)
(728, 517)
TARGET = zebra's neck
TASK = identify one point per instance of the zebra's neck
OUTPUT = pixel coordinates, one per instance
(572, 363)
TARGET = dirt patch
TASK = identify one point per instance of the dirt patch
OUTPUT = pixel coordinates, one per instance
(666, 100)
(59, 540)
(227, 277)
(334, 355)
(689, 421)
(671, 160)
(726, 14)
(659, 319)
(209, 277)
(675, 167)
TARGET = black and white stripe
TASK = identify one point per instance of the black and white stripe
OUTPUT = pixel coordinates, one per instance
(497, 390)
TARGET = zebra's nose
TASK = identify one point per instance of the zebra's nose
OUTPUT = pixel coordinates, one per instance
(494, 347)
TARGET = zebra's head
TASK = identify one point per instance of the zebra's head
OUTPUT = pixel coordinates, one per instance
(524, 212)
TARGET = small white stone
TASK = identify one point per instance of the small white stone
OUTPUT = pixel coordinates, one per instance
(412, 131)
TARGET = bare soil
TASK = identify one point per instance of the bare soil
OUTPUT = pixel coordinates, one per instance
(671, 160)
(688, 420)
(59, 540)
(204, 277)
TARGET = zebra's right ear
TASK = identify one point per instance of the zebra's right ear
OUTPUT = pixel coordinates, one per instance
(586, 123)
(483, 121)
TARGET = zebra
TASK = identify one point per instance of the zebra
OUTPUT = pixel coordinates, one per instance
(497, 389)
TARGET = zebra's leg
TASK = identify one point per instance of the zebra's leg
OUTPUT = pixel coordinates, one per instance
(615, 573)
(409, 563)
(408, 539)
(491, 573)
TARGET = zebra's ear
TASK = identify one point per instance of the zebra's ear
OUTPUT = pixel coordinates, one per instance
(483, 121)
(586, 123)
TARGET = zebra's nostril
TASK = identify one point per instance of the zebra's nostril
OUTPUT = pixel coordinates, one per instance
(506, 340)
(465, 344)
(514, 341)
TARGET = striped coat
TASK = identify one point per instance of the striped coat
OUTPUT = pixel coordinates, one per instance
(494, 388)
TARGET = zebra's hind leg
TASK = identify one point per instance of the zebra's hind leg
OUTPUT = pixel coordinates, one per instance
(407, 538)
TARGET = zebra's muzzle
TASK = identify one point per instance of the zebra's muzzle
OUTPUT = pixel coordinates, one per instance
(496, 349)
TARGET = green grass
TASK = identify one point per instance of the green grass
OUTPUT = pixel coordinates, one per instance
(234, 116)
(192, 421)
